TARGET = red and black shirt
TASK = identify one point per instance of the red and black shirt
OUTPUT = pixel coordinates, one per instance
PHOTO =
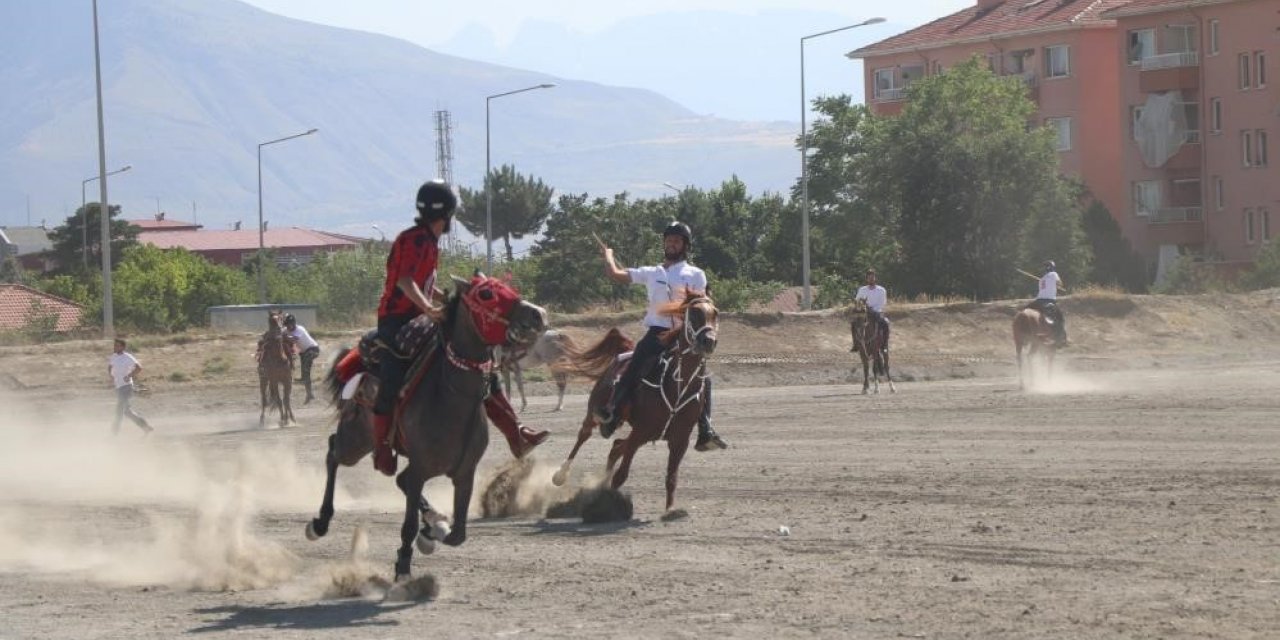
(415, 253)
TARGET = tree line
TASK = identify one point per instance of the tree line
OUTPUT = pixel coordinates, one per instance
(949, 198)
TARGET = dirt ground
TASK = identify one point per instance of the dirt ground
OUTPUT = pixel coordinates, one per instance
(1134, 496)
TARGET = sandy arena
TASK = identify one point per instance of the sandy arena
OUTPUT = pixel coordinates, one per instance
(1135, 496)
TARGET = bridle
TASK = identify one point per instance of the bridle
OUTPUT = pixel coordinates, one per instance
(691, 335)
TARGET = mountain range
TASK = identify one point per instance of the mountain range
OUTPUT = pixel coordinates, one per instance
(192, 88)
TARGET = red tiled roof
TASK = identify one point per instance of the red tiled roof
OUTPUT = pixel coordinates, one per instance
(17, 302)
(245, 239)
(1139, 7)
(151, 224)
(1011, 17)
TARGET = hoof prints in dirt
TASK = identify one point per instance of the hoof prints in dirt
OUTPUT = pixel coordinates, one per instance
(594, 506)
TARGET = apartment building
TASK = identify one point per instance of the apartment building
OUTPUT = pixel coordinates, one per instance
(1174, 142)
(1202, 117)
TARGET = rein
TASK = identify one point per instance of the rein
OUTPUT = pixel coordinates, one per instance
(686, 392)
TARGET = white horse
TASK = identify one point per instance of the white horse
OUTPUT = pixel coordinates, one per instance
(547, 350)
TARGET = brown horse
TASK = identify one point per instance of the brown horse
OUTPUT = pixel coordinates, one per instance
(1031, 329)
(442, 428)
(869, 344)
(664, 408)
(546, 351)
(275, 371)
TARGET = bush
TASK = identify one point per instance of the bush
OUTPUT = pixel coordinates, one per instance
(834, 290)
(1189, 276)
(738, 294)
(171, 289)
(1266, 269)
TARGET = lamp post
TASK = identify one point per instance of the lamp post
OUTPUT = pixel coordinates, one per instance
(807, 300)
(488, 193)
(380, 233)
(84, 222)
(672, 187)
(262, 283)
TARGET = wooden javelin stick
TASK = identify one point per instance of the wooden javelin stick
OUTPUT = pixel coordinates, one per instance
(1037, 278)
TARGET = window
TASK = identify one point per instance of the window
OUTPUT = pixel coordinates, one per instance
(1248, 226)
(1135, 116)
(1215, 115)
(1062, 127)
(1246, 147)
(1260, 64)
(1265, 217)
(1219, 195)
(1245, 76)
(1057, 61)
(1213, 37)
(1192, 112)
(1142, 44)
(1260, 148)
(1146, 197)
(884, 81)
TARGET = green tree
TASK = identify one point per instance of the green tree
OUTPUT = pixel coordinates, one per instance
(959, 175)
(11, 271)
(521, 204)
(1115, 263)
(171, 289)
(1053, 231)
(69, 239)
(1266, 268)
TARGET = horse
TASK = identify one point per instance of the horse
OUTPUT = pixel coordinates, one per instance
(870, 345)
(275, 371)
(666, 408)
(441, 427)
(550, 347)
(1031, 329)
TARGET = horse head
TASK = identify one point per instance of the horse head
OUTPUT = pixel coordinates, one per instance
(497, 313)
(699, 322)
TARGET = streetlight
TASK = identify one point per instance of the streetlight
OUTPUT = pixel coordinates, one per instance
(84, 222)
(379, 230)
(488, 193)
(262, 283)
(672, 187)
(807, 300)
(108, 306)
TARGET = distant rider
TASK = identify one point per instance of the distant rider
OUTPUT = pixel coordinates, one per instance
(1046, 302)
(876, 298)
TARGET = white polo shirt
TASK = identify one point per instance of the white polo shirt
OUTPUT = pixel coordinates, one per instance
(875, 296)
(122, 365)
(667, 285)
(305, 341)
(1049, 286)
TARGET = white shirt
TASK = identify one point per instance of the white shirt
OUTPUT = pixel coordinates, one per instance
(305, 341)
(667, 285)
(875, 296)
(1049, 286)
(122, 365)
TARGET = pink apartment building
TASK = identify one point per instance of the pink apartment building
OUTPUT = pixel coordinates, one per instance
(1092, 67)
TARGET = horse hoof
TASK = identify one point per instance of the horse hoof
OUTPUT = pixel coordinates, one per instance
(312, 533)
(437, 528)
(455, 538)
(559, 478)
(426, 546)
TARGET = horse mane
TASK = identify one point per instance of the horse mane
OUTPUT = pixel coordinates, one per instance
(595, 360)
(331, 381)
(675, 309)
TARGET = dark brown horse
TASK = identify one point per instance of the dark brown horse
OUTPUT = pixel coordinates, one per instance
(275, 371)
(1031, 330)
(443, 430)
(666, 406)
(869, 344)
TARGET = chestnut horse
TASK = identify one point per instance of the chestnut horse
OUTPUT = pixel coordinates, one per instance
(1031, 329)
(666, 406)
(869, 343)
(275, 371)
(443, 429)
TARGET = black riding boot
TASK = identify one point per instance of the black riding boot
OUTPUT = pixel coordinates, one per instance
(708, 439)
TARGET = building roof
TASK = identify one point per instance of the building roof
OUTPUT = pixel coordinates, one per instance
(1008, 18)
(152, 224)
(246, 239)
(17, 303)
(1141, 7)
(28, 239)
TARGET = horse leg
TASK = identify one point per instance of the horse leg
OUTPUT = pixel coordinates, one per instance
(562, 383)
(888, 378)
(866, 383)
(319, 526)
(1017, 355)
(286, 407)
(463, 484)
(676, 448)
(584, 434)
(262, 389)
(626, 451)
(411, 485)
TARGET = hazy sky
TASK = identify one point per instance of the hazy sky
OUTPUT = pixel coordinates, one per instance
(433, 24)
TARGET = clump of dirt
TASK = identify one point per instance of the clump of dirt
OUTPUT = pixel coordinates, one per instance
(595, 505)
(417, 589)
(500, 497)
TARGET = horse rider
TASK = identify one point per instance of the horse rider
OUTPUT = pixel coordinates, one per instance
(122, 367)
(411, 272)
(1046, 302)
(308, 349)
(876, 298)
(665, 283)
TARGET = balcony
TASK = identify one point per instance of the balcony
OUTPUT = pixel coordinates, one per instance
(1173, 215)
(893, 94)
(1170, 72)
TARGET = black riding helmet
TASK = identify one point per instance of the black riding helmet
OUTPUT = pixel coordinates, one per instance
(677, 228)
(437, 201)
(289, 319)
(1050, 266)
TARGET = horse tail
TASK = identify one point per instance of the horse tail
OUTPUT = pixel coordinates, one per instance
(334, 380)
(595, 360)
